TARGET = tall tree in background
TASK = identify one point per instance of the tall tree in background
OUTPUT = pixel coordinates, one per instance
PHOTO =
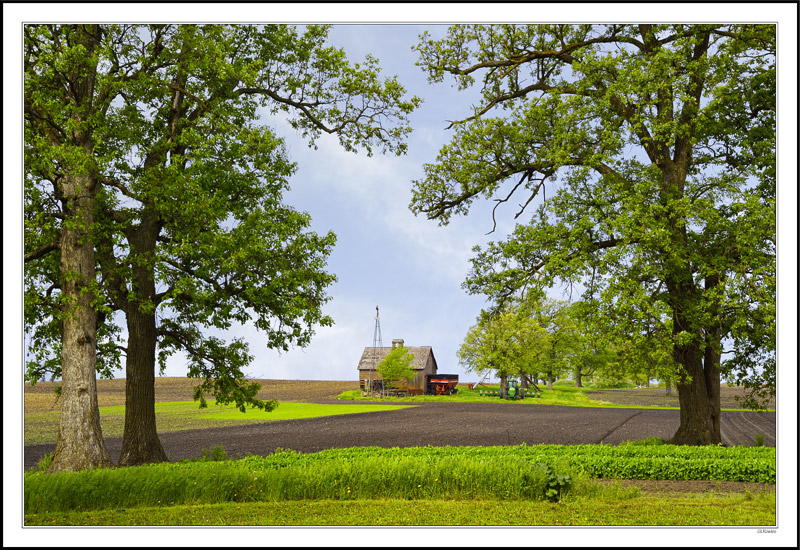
(509, 342)
(189, 231)
(648, 154)
(558, 351)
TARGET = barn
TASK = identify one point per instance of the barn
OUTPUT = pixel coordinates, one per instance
(424, 363)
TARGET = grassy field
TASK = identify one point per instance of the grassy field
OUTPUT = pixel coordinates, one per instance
(563, 393)
(519, 485)
(602, 509)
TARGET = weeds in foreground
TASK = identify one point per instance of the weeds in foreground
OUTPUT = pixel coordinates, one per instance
(44, 462)
(287, 476)
(522, 472)
(216, 454)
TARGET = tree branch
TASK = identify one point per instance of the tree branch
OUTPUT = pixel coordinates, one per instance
(42, 251)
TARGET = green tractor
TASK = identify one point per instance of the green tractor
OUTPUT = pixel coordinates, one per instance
(513, 391)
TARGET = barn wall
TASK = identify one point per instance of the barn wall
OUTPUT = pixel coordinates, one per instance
(417, 383)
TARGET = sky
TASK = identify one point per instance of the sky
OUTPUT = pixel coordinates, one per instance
(408, 266)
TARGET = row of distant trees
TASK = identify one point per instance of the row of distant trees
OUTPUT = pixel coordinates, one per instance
(546, 339)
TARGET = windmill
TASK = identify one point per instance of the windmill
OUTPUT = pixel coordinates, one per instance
(377, 343)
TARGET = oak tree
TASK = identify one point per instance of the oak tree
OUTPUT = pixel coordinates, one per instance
(190, 231)
(646, 154)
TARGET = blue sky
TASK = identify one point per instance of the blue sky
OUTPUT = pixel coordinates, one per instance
(385, 256)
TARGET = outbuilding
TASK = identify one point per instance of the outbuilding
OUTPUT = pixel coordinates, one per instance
(424, 363)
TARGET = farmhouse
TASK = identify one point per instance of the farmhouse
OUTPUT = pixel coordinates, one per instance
(424, 363)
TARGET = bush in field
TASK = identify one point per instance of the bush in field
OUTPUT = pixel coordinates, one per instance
(216, 454)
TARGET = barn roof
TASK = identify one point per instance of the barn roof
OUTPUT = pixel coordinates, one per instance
(372, 356)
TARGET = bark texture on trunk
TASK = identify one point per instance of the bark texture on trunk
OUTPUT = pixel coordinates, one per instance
(698, 395)
(79, 444)
(80, 439)
(140, 442)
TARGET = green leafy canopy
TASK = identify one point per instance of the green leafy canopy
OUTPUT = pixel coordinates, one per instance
(641, 159)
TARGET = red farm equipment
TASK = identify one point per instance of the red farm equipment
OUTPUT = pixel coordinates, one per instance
(483, 382)
(441, 384)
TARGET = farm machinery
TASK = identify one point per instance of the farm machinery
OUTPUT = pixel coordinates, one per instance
(441, 384)
(514, 389)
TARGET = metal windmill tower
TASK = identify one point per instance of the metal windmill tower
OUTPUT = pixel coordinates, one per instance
(377, 342)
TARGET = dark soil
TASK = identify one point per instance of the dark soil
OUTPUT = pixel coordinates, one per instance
(456, 424)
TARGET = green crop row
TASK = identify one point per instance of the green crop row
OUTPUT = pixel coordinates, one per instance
(523, 472)
(669, 462)
(248, 481)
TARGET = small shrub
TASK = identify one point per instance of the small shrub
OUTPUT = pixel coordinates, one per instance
(557, 484)
(759, 440)
(217, 454)
(44, 462)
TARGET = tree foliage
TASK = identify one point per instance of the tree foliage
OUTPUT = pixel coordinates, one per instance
(642, 158)
(189, 231)
(396, 366)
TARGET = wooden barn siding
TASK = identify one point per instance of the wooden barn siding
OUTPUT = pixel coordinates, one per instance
(417, 383)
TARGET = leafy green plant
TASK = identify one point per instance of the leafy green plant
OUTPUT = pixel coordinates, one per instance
(557, 484)
(759, 442)
(44, 462)
(216, 454)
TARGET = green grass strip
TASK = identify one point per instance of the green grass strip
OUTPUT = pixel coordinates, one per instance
(565, 396)
(695, 510)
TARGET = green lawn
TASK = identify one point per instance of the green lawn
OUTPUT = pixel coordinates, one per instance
(186, 415)
(678, 510)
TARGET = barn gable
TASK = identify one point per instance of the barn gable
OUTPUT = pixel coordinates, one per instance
(373, 356)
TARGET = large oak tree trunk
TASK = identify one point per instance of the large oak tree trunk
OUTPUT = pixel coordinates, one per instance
(140, 442)
(699, 415)
(79, 444)
(698, 389)
(80, 439)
